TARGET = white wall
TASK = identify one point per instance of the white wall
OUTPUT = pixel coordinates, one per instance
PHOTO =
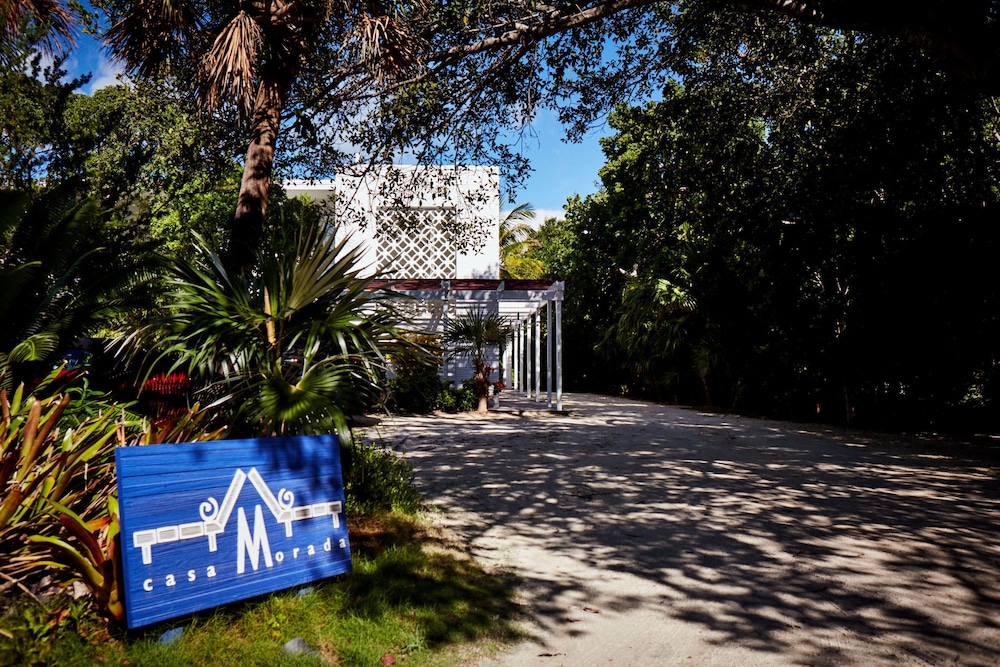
(470, 196)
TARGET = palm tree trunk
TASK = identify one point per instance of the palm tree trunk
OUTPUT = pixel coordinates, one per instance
(481, 381)
(247, 231)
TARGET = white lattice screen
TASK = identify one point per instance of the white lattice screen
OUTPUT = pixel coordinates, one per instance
(417, 242)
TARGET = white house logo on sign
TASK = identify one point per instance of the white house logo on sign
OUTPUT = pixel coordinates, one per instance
(186, 550)
(251, 544)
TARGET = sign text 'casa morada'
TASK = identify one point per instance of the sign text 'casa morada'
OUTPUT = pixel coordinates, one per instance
(203, 524)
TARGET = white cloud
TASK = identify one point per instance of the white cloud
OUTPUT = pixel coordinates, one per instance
(543, 214)
(107, 74)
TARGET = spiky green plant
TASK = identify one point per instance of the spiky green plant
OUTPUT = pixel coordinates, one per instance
(517, 238)
(90, 556)
(295, 346)
(42, 460)
(58, 512)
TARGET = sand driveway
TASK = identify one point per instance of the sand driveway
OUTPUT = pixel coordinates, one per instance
(652, 535)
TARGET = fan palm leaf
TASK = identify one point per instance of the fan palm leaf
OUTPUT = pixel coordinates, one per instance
(292, 347)
(471, 334)
(52, 17)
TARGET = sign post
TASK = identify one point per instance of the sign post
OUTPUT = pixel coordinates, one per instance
(204, 524)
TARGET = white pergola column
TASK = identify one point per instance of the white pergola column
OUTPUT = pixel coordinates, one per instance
(527, 357)
(505, 359)
(515, 383)
(447, 366)
(559, 374)
(548, 353)
(538, 355)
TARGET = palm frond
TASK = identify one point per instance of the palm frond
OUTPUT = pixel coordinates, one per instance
(231, 64)
(389, 47)
(517, 238)
(34, 348)
(151, 32)
(472, 332)
(514, 227)
(295, 345)
(13, 204)
(58, 284)
(520, 213)
(50, 15)
(522, 268)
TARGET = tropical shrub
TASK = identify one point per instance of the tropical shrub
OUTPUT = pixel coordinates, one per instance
(292, 347)
(59, 282)
(44, 462)
(416, 386)
(377, 481)
(424, 391)
(417, 394)
(463, 398)
(58, 516)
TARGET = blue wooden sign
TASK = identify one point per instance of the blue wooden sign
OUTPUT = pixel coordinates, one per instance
(207, 523)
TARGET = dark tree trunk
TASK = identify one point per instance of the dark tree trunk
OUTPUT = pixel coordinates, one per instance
(481, 379)
(247, 231)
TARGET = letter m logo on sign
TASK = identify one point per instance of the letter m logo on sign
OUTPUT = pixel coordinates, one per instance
(203, 524)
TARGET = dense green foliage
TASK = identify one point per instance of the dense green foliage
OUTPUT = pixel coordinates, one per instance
(416, 386)
(804, 226)
(154, 166)
(58, 513)
(445, 82)
(377, 481)
(295, 347)
(60, 278)
(424, 391)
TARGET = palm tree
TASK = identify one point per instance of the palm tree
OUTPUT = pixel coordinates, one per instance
(294, 347)
(50, 20)
(251, 53)
(471, 334)
(516, 240)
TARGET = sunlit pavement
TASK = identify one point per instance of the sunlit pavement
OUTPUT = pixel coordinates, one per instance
(652, 535)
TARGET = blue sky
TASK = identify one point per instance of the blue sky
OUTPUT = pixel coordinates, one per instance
(561, 169)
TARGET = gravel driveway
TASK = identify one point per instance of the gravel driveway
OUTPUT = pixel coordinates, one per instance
(653, 535)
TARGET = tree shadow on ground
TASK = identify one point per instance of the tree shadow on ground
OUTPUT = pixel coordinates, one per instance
(825, 547)
(447, 596)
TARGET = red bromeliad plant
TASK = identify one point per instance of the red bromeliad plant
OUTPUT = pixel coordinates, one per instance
(92, 558)
(58, 514)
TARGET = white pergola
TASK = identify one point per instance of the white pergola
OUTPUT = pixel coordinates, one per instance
(522, 303)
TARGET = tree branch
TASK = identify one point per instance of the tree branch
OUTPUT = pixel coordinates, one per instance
(550, 23)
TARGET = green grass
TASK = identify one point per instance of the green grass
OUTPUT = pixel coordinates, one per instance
(409, 596)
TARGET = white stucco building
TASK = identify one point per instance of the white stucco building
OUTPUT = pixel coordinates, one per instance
(417, 222)
(434, 233)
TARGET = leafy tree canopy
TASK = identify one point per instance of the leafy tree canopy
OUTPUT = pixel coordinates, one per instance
(448, 82)
(802, 227)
